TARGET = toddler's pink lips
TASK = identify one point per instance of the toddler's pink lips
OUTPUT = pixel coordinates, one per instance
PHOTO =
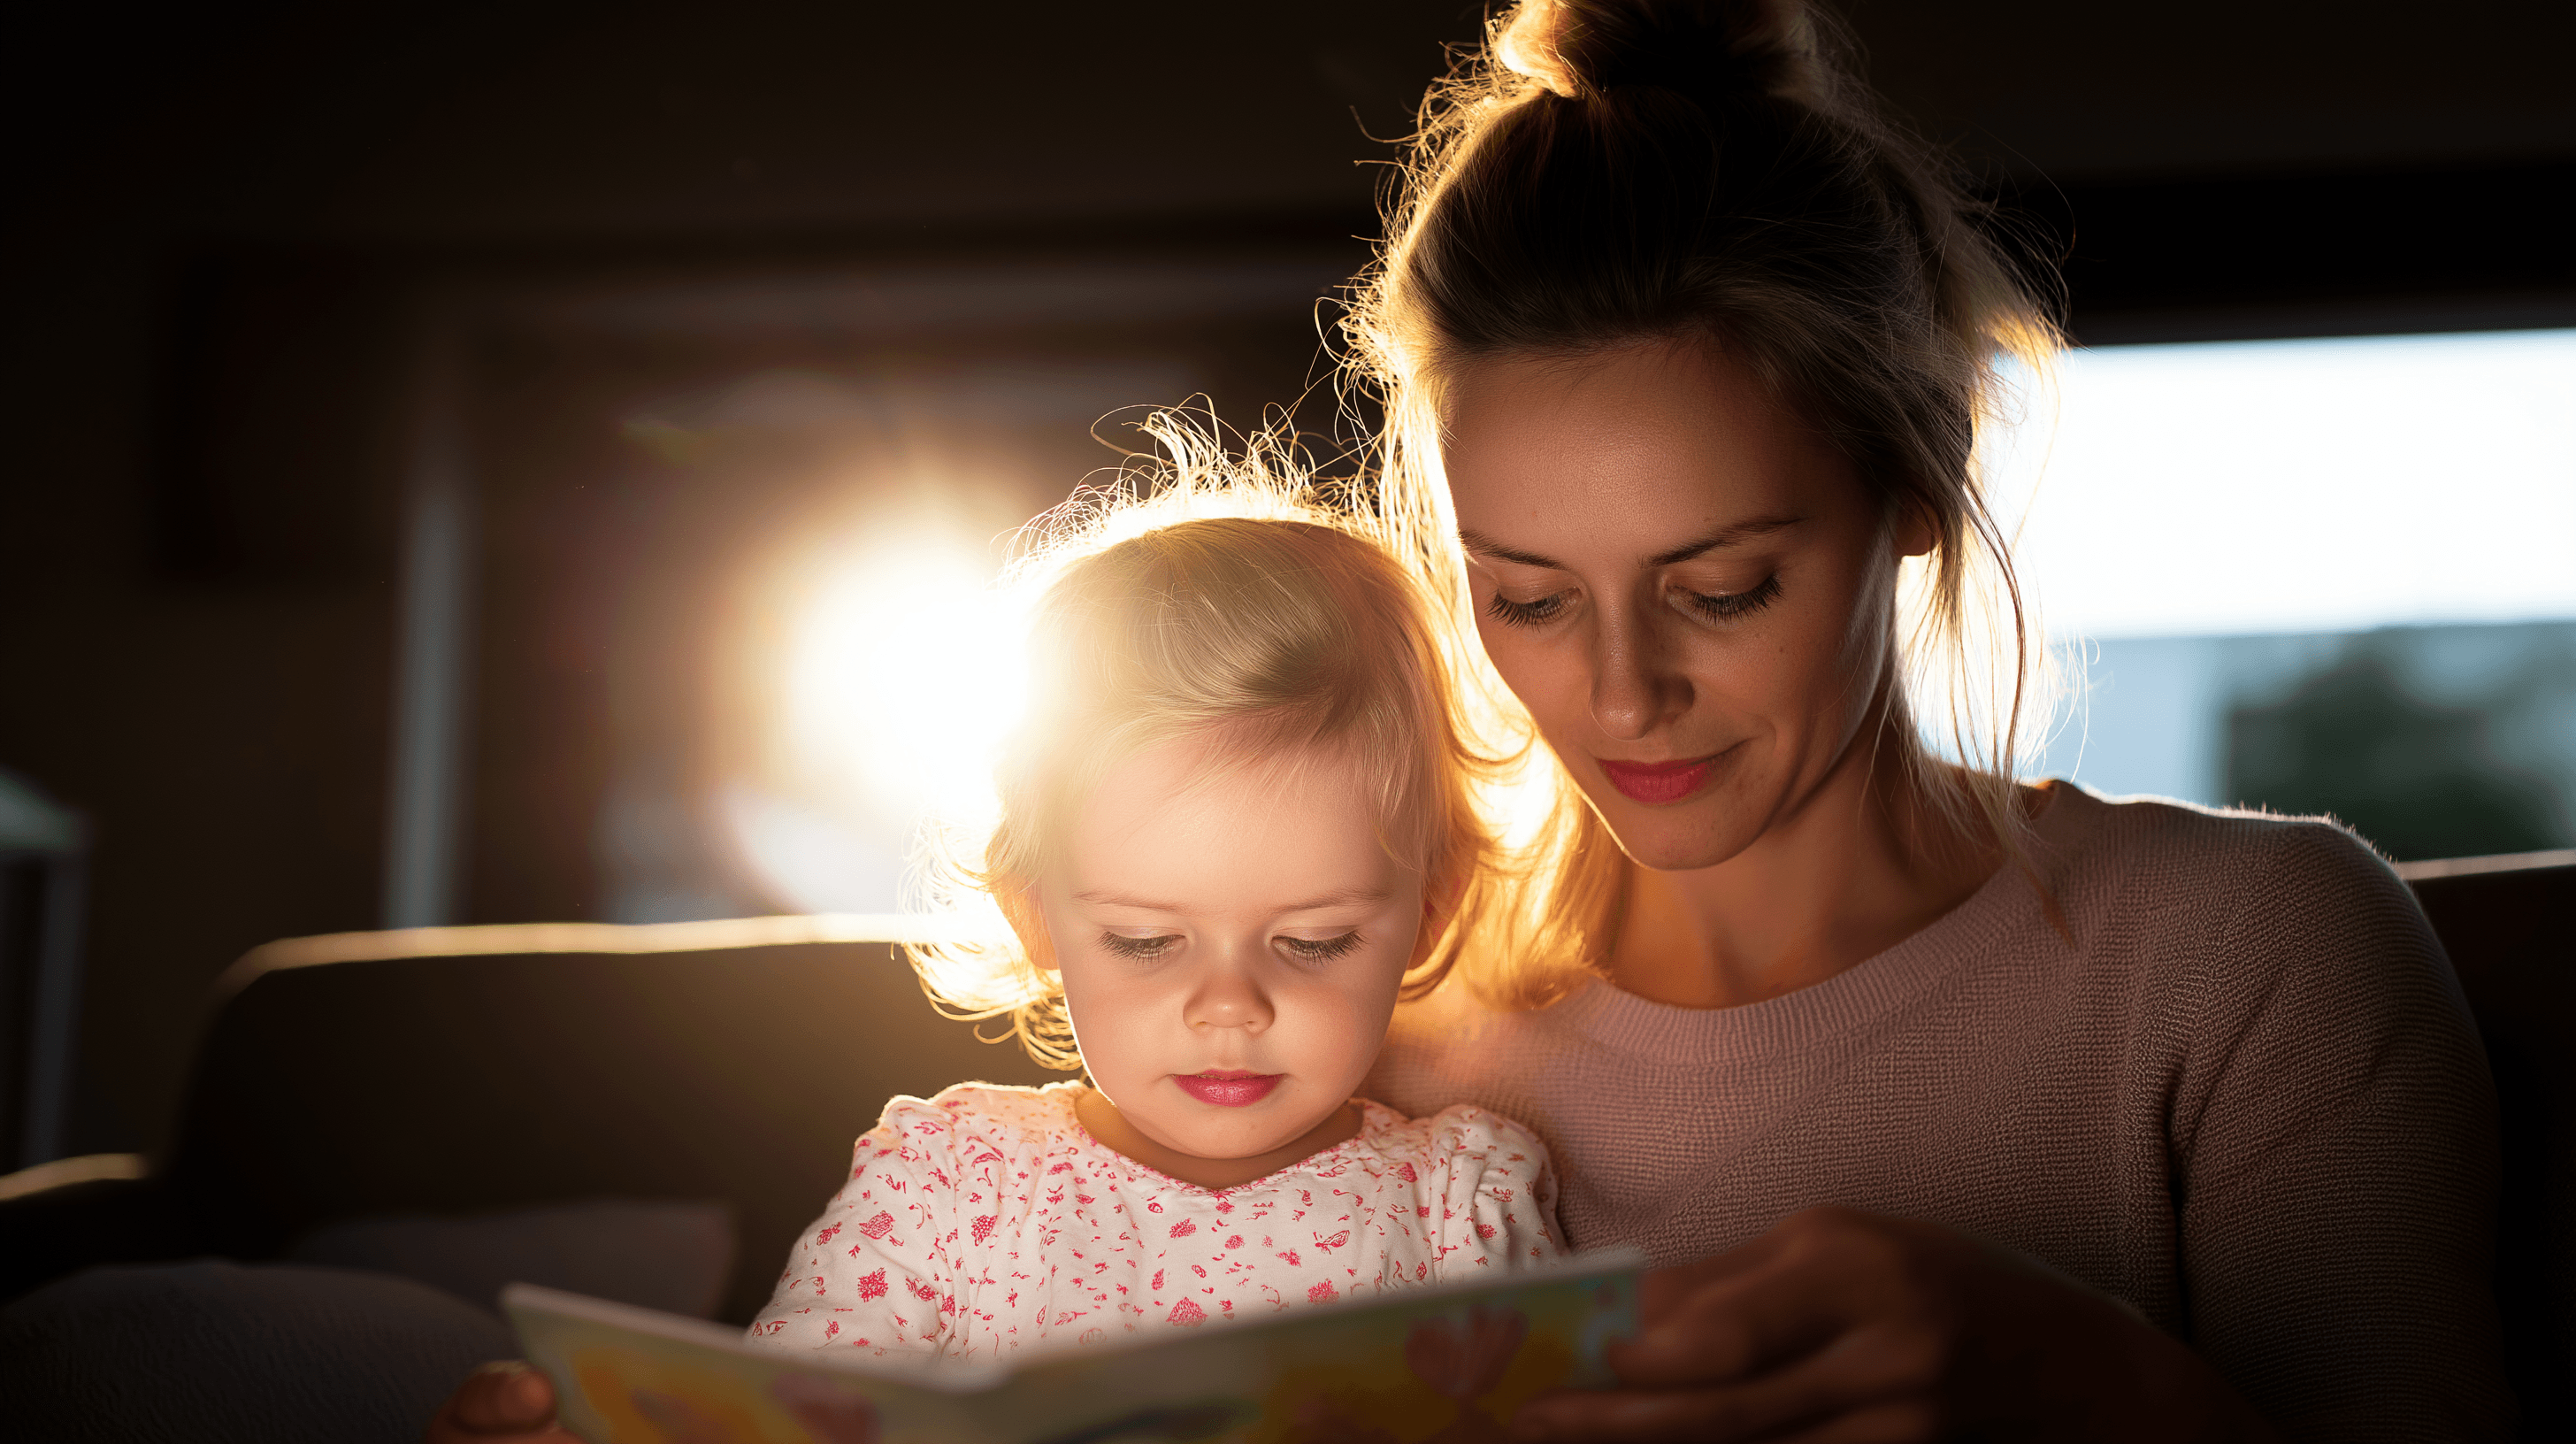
(1654, 782)
(1228, 1087)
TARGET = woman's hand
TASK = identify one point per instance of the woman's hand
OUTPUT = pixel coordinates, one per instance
(504, 1403)
(1840, 1325)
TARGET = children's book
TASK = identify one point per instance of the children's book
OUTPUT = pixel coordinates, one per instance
(1446, 1363)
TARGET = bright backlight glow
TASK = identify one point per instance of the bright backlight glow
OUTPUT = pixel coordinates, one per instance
(2298, 486)
(903, 677)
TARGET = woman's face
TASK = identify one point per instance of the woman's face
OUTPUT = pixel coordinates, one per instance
(1687, 587)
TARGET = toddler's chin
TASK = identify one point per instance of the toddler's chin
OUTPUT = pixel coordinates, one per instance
(1227, 1139)
(1229, 1144)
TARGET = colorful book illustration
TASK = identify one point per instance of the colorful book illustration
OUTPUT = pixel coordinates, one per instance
(1445, 1363)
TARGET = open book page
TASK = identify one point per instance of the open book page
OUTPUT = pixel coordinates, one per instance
(1447, 1363)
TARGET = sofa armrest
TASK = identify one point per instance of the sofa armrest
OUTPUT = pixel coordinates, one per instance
(51, 1229)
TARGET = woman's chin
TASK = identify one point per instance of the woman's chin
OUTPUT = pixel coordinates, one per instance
(1677, 837)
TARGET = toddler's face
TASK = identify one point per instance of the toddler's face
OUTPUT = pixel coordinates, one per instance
(1231, 942)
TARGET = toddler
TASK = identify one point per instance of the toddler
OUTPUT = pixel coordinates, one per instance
(1235, 828)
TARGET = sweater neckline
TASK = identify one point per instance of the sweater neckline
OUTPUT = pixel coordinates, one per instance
(2003, 906)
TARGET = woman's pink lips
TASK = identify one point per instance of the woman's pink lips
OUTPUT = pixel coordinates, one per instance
(1657, 781)
(1228, 1087)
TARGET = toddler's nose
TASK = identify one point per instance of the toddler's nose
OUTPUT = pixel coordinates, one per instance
(1227, 999)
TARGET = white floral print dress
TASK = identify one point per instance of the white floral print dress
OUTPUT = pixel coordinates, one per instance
(988, 1220)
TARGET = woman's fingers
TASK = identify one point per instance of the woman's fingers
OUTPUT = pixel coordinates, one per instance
(1878, 1383)
(1907, 1421)
(1833, 1326)
(1635, 1416)
(1769, 1410)
(1841, 1327)
(1661, 1291)
(1727, 1330)
(1791, 1292)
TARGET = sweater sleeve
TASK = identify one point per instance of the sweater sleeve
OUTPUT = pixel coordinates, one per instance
(1498, 1195)
(873, 1273)
(2333, 1129)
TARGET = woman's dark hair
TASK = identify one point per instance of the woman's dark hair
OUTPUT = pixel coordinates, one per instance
(1609, 172)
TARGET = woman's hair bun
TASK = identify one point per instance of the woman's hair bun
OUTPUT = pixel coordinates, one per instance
(1712, 50)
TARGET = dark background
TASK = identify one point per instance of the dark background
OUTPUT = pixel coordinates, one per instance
(221, 224)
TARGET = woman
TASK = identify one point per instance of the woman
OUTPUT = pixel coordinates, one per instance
(1955, 1106)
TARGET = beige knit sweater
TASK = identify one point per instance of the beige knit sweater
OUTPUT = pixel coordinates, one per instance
(2247, 1100)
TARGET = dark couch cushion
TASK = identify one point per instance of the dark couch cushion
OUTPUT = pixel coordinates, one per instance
(672, 1256)
(2510, 929)
(456, 1085)
(216, 1353)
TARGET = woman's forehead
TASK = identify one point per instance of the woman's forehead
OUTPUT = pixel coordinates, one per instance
(1647, 450)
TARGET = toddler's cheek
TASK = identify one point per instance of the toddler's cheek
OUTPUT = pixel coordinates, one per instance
(1338, 1043)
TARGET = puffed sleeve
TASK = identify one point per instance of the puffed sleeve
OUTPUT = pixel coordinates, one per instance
(2334, 1137)
(1498, 1194)
(873, 1274)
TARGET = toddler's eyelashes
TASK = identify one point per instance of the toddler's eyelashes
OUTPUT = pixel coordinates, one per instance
(1321, 950)
(1310, 950)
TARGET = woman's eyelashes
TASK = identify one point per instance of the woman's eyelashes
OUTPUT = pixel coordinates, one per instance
(1708, 606)
(1727, 606)
(1527, 614)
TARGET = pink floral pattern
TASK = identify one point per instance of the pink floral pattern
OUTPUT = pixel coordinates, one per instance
(1010, 1228)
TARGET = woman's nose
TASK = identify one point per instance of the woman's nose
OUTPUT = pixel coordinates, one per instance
(1634, 691)
(1228, 997)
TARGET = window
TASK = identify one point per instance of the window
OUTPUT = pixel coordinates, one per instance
(2329, 575)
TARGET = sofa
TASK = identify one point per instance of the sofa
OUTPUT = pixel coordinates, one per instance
(464, 1104)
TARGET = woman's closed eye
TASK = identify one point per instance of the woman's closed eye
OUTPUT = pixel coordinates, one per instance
(1728, 606)
(1533, 613)
(1143, 949)
(1320, 950)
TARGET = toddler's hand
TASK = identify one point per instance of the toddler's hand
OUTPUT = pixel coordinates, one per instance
(503, 1403)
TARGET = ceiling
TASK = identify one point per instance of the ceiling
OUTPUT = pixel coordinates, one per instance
(480, 122)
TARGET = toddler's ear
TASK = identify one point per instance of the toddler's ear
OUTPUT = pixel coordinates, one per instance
(1440, 900)
(1019, 903)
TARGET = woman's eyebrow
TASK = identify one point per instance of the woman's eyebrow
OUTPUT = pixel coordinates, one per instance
(1724, 536)
(1483, 545)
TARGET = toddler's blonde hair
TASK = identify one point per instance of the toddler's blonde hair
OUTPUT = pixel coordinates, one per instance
(1219, 598)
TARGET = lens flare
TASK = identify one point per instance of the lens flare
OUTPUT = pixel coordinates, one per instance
(903, 677)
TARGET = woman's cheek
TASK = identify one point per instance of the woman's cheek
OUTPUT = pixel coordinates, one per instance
(1553, 682)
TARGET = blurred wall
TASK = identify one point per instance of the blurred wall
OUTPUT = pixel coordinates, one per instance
(219, 221)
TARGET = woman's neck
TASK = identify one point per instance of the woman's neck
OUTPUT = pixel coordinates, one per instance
(1861, 864)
